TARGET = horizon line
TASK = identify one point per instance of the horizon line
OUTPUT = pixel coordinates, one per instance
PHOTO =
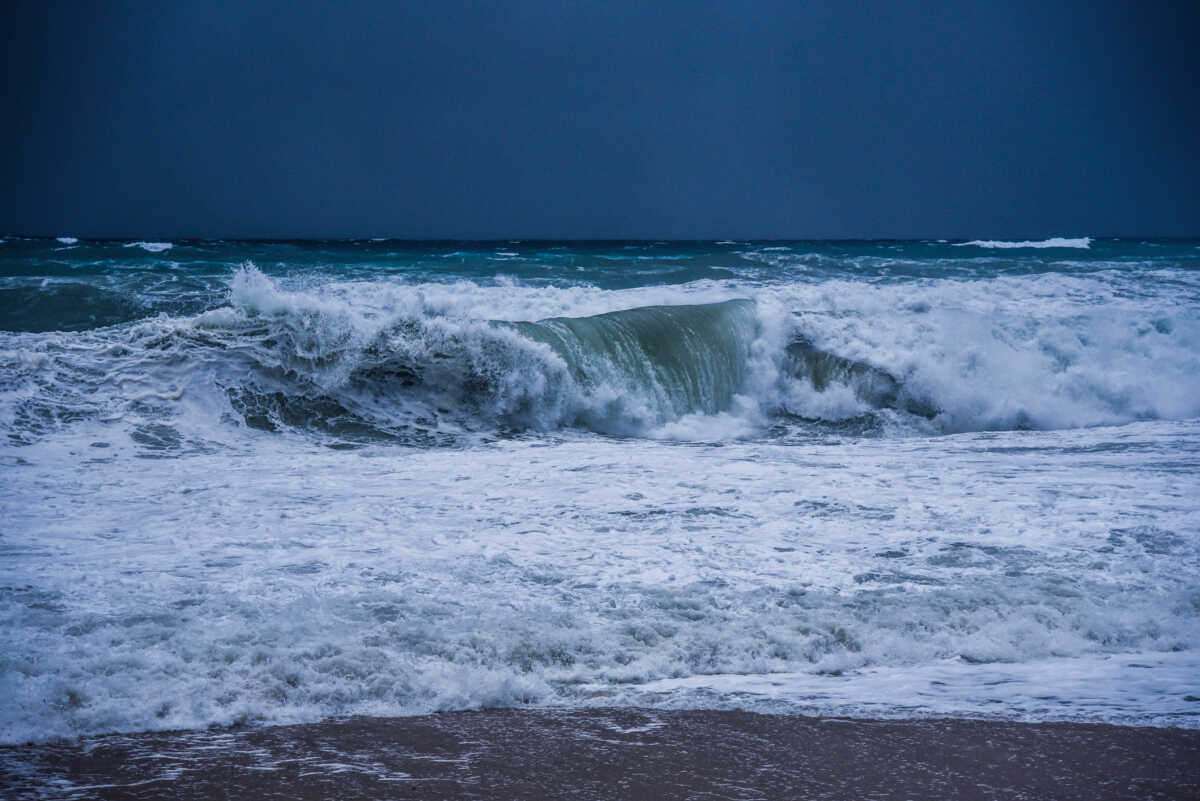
(589, 240)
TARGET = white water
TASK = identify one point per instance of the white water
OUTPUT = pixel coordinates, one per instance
(1048, 351)
(221, 587)
(151, 247)
(166, 566)
(1054, 242)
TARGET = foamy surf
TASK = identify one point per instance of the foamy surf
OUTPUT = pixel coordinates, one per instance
(892, 479)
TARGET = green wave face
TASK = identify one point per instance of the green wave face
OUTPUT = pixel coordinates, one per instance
(675, 359)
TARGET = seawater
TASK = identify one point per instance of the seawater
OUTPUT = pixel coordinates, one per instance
(268, 482)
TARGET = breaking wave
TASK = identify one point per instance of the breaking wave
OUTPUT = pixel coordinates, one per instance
(151, 247)
(387, 486)
(422, 369)
(1083, 242)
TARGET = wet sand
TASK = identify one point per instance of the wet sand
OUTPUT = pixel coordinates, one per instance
(618, 754)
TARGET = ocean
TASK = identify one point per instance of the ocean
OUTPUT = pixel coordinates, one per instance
(290, 482)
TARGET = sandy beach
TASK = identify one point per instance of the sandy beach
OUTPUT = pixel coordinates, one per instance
(619, 754)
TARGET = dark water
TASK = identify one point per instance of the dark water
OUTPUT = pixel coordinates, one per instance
(74, 285)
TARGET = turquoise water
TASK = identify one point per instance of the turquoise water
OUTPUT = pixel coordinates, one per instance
(119, 281)
(285, 481)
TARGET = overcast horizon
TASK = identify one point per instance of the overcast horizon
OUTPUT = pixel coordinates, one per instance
(536, 121)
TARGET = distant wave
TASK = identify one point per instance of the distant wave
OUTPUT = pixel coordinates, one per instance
(68, 240)
(1083, 242)
(152, 247)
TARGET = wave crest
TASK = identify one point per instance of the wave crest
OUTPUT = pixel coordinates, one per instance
(1083, 242)
(407, 364)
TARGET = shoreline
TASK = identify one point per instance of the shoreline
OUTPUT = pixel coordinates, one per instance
(618, 753)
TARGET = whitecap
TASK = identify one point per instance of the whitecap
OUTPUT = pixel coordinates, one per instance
(1082, 242)
(152, 247)
(68, 240)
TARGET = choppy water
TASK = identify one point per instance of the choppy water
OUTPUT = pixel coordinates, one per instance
(283, 482)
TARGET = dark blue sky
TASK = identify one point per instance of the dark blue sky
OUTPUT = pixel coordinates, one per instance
(608, 119)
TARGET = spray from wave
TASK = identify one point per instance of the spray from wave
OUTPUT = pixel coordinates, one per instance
(414, 367)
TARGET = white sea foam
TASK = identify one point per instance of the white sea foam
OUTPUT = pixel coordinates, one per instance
(1047, 351)
(292, 584)
(742, 421)
(68, 240)
(1080, 688)
(170, 561)
(1041, 351)
(1083, 242)
(152, 247)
